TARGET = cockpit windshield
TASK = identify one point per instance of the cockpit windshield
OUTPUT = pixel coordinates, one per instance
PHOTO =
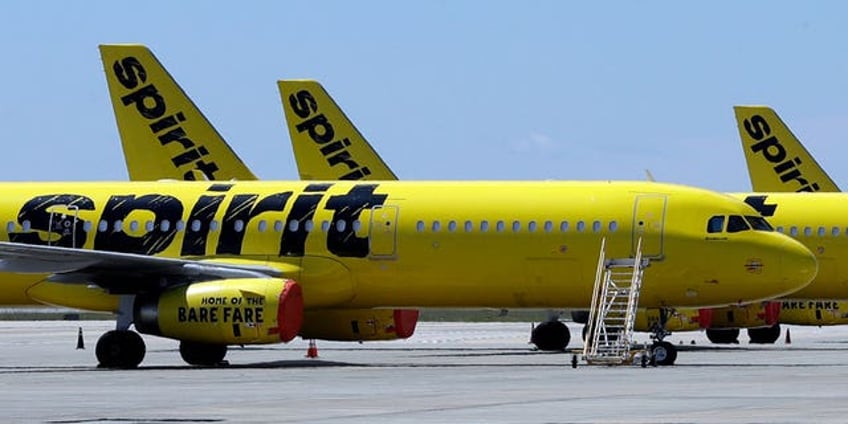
(759, 223)
(735, 224)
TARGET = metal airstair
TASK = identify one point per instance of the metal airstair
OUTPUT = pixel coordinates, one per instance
(613, 311)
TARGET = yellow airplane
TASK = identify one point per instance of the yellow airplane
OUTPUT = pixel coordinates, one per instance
(218, 263)
(153, 155)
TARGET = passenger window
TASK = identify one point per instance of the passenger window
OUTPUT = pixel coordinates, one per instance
(596, 226)
(341, 225)
(822, 231)
(419, 226)
(563, 226)
(469, 226)
(25, 226)
(294, 225)
(808, 231)
(759, 223)
(452, 226)
(436, 226)
(484, 226)
(499, 227)
(148, 226)
(834, 231)
(165, 225)
(133, 226)
(263, 225)
(613, 225)
(10, 227)
(238, 225)
(793, 231)
(581, 226)
(87, 227)
(180, 225)
(213, 225)
(325, 225)
(195, 225)
(531, 226)
(357, 225)
(715, 224)
(736, 223)
(779, 229)
(549, 226)
(516, 226)
(117, 226)
(309, 226)
(102, 226)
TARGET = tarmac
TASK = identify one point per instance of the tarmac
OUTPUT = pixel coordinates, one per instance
(445, 373)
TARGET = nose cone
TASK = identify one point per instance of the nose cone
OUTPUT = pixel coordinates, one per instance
(798, 266)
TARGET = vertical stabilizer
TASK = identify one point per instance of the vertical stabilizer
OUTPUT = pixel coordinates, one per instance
(326, 144)
(777, 161)
(163, 134)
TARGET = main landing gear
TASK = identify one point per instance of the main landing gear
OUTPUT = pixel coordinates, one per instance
(120, 349)
(550, 335)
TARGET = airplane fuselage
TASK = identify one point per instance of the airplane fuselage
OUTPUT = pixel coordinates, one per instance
(405, 244)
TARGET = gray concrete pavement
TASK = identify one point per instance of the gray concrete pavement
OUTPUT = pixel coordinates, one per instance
(447, 372)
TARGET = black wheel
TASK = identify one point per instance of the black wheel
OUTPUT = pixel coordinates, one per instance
(723, 336)
(764, 335)
(202, 353)
(550, 335)
(120, 349)
(664, 353)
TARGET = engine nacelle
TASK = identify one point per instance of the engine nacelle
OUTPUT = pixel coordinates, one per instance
(762, 314)
(359, 324)
(234, 311)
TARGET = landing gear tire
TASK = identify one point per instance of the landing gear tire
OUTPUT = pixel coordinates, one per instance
(120, 349)
(204, 354)
(663, 353)
(723, 336)
(764, 335)
(550, 336)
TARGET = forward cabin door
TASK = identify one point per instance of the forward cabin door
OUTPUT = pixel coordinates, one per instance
(64, 230)
(648, 220)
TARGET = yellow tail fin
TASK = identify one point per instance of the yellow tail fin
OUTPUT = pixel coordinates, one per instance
(163, 134)
(326, 144)
(777, 161)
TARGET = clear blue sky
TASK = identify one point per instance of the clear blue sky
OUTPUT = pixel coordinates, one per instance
(443, 89)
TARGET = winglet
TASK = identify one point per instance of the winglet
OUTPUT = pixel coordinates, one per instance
(326, 144)
(163, 134)
(777, 161)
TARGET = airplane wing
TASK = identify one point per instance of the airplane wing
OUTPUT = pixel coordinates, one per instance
(119, 272)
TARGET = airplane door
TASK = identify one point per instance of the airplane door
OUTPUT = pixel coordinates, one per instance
(63, 226)
(648, 218)
(382, 231)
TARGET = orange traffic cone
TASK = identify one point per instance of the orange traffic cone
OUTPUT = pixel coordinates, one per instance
(80, 341)
(788, 338)
(312, 350)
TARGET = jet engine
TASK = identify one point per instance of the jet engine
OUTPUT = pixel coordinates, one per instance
(232, 311)
(359, 324)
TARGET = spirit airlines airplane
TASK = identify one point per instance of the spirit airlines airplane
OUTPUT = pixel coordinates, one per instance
(218, 263)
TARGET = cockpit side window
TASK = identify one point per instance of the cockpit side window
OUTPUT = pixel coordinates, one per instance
(715, 224)
(759, 223)
(736, 223)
